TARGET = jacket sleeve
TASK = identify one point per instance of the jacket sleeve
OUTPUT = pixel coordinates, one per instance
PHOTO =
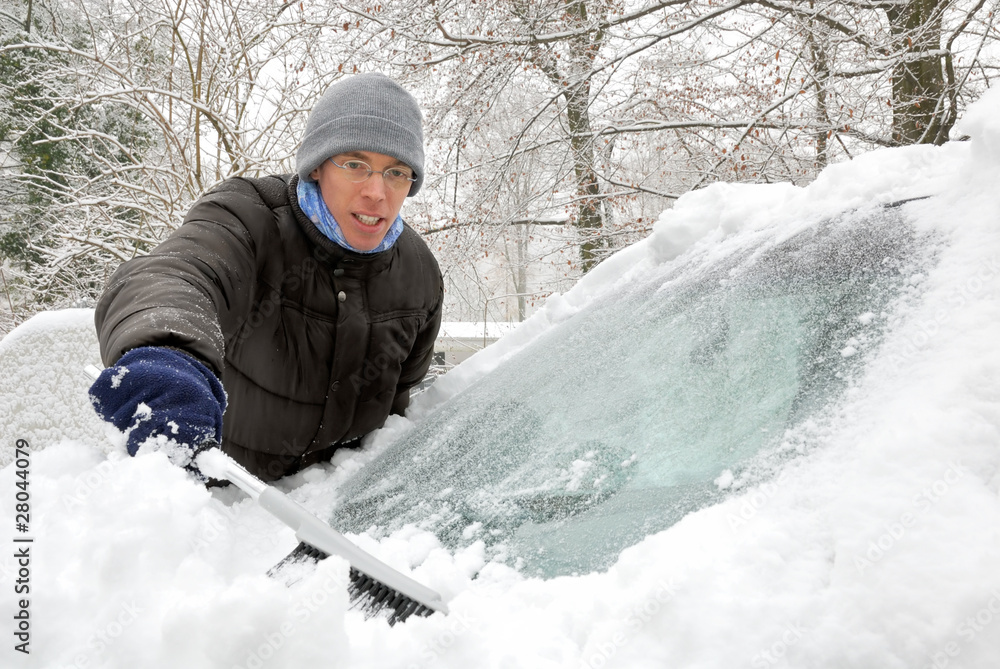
(421, 355)
(190, 289)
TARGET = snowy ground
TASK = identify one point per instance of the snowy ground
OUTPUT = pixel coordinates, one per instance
(878, 548)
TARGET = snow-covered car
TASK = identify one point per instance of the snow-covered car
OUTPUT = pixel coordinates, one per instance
(768, 435)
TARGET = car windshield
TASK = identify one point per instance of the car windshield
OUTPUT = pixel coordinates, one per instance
(622, 419)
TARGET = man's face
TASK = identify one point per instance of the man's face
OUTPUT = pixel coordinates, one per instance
(365, 210)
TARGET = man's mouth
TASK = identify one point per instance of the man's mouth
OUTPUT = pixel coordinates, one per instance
(368, 220)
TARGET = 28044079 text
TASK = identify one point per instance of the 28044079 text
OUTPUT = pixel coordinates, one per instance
(22, 547)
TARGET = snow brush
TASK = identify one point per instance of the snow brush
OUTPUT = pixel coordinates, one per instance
(375, 586)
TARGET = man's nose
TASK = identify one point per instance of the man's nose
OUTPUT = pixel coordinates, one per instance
(374, 186)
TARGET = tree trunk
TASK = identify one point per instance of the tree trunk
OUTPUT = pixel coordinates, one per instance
(588, 216)
(918, 79)
(521, 283)
(821, 74)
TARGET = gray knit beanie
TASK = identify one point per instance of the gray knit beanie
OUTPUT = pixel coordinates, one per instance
(366, 112)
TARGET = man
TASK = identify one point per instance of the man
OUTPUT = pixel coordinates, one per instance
(305, 297)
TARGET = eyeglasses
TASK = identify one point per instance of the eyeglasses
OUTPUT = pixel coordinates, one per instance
(358, 171)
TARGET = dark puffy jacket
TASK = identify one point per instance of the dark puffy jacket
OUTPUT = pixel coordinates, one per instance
(315, 345)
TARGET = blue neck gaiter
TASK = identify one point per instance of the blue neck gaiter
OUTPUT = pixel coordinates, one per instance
(312, 204)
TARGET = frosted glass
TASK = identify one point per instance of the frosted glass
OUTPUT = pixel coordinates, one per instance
(615, 423)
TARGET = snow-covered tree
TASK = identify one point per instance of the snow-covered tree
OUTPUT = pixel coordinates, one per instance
(120, 114)
(557, 130)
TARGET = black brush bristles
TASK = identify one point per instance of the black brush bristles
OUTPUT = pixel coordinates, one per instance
(302, 555)
(373, 597)
(366, 594)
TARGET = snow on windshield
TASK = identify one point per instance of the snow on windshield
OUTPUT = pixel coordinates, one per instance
(616, 423)
(877, 547)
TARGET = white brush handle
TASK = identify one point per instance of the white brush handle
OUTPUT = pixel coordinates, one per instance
(313, 531)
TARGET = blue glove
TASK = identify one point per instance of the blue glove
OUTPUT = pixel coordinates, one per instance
(164, 395)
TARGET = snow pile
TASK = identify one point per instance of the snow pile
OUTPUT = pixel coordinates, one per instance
(877, 548)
